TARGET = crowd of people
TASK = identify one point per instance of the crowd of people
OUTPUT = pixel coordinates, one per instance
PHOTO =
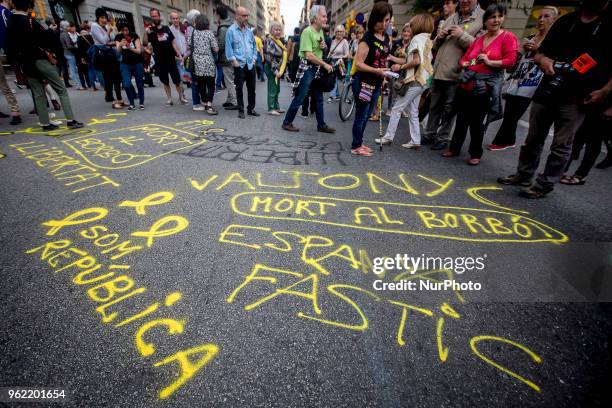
(460, 71)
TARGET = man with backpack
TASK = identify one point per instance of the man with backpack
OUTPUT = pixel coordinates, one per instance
(293, 53)
(223, 24)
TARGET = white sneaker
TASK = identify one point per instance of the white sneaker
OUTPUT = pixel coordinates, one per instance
(52, 122)
(385, 141)
(273, 113)
(411, 145)
(199, 108)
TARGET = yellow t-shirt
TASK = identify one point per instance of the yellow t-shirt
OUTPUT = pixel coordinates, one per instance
(259, 45)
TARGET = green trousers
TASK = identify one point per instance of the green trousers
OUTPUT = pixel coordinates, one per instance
(273, 89)
(48, 72)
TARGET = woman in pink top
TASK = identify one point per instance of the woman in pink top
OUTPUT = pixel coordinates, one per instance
(479, 89)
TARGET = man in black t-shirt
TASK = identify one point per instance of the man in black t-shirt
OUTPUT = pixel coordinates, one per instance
(293, 50)
(576, 60)
(167, 55)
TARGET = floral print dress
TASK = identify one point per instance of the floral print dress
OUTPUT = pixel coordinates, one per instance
(203, 43)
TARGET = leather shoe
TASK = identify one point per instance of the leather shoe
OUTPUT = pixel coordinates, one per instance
(253, 113)
(326, 129)
(241, 115)
(533, 192)
(290, 128)
(427, 141)
(513, 180)
(439, 146)
(231, 107)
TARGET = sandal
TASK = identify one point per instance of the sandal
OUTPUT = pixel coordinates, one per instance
(574, 180)
(117, 105)
(211, 111)
(374, 118)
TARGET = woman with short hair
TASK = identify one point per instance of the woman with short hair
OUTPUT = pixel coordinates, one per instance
(339, 51)
(479, 90)
(129, 47)
(275, 54)
(371, 67)
(204, 67)
(105, 58)
(523, 82)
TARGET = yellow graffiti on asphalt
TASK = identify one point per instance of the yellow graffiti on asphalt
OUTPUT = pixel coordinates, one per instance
(116, 296)
(132, 146)
(455, 223)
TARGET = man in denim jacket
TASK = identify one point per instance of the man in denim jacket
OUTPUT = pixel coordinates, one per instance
(241, 52)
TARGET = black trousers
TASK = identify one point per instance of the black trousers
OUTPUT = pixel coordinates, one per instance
(62, 67)
(241, 76)
(206, 87)
(471, 112)
(590, 135)
(112, 80)
(83, 75)
(515, 107)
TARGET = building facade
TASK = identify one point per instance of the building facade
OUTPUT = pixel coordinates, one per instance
(521, 17)
(136, 12)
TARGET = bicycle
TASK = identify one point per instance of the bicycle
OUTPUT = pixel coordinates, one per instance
(347, 99)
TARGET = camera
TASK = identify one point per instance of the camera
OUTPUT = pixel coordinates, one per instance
(550, 88)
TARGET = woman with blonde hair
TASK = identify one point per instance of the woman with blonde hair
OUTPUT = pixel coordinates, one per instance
(523, 82)
(416, 69)
(339, 51)
(275, 54)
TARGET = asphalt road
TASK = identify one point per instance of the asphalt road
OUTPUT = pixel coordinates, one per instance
(248, 281)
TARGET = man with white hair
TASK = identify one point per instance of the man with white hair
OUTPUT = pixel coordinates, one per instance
(195, 92)
(241, 52)
(179, 37)
(312, 45)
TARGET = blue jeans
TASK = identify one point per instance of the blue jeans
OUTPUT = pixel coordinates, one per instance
(300, 94)
(260, 67)
(136, 70)
(195, 91)
(219, 76)
(94, 75)
(72, 67)
(363, 110)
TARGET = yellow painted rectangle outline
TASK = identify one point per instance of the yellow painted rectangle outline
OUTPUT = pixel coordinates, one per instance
(77, 151)
(561, 238)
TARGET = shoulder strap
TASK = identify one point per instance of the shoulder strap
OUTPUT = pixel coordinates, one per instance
(333, 49)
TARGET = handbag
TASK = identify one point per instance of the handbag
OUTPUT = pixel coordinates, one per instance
(188, 62)
(325, 81)
(401, 86)
(366, 92)
(102, 55)
(51, 57)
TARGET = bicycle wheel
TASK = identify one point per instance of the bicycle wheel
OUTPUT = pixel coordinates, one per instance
(347, 103)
